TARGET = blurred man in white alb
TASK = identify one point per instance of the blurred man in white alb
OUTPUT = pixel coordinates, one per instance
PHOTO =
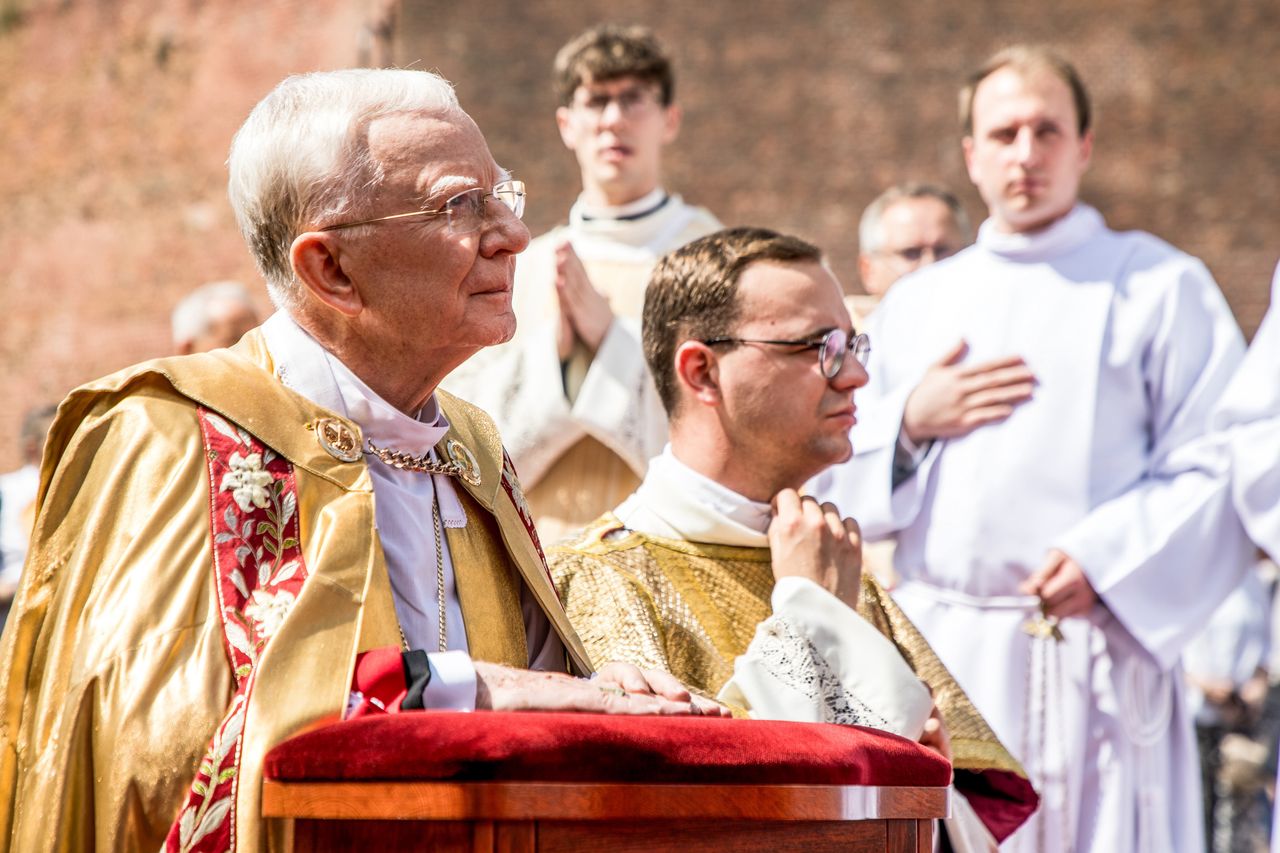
(1057, 551)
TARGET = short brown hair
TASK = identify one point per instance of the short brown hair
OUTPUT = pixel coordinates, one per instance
(1026, 59)
(609, 52)
(693, 293)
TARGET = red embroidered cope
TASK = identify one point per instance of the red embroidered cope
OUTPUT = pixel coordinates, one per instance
(258, 569)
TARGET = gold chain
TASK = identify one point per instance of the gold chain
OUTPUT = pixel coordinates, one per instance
(435, 526)
(423, 464)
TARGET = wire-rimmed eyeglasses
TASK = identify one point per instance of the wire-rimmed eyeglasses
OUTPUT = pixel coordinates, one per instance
(831, 348)
(466, 211)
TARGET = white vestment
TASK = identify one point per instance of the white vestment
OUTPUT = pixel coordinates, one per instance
(1248, 421)
(1131, 344)
(546, 410)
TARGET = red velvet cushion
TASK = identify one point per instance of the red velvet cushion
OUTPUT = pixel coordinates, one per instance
(490, 745)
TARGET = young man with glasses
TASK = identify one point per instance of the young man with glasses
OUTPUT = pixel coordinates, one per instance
(716, 569)
(570, 393)
(223, 539)
(1059, 553)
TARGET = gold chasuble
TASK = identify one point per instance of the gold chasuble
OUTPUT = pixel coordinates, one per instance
(157, 649)
(692, 608)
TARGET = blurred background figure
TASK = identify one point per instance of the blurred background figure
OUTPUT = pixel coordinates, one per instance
(213, 315)
(570, 393)
(908, 226)
(17, 504)
(1227, 676)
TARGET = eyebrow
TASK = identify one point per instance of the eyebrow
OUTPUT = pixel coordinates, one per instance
(450, 184)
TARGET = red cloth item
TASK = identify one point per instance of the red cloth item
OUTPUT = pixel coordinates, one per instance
(546, 747)
(1001, 799)
(378, 684)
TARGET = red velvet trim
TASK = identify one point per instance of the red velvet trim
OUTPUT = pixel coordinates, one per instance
(489, 745)
(1002, 800)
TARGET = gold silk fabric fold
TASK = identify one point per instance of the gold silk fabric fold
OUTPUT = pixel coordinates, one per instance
(112, 661)
(569, 496)
(692, 608)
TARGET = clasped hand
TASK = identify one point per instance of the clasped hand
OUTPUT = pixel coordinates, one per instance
(585, 314)
(812, 540)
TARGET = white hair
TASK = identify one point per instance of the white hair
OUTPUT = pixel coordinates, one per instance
(871, 226)
(190, 318)
(302, 156)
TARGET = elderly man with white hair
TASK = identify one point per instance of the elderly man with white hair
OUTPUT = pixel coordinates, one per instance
(225, 541)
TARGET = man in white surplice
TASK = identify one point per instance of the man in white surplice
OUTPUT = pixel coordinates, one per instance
(1087, 502)
(1248, 423)
(570, 393)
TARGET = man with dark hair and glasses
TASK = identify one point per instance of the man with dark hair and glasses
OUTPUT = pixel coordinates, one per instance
(570, 393)
(717, 569)
(1059, 552)
(235, 545)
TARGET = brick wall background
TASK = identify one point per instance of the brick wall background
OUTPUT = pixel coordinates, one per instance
(116, 116)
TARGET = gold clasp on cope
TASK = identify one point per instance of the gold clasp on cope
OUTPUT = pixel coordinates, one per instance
(338, 439)
(461, 456)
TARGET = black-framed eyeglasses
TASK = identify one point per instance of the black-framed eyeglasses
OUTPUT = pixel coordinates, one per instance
(831, 348)
(466, 211)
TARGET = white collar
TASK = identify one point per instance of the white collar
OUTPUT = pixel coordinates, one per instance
(677, 502)
(1069, 232)
(649, 201)
(305, 366)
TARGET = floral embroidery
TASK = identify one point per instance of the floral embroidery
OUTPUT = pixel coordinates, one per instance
(247, 481)
(268, 611)
(257, 560)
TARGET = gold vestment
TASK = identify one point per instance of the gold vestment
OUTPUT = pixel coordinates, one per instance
(112, 661)
(692, 608)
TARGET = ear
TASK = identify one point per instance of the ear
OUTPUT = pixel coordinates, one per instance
(563, 119)
(864, 271)
(966, 145)
(316, 259)
(671, 117)
(698, 373)
(1086, 150)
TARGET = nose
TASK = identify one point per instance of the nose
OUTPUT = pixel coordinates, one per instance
(503, 232)
(612, 113)
(1025, 145)
(851, 374)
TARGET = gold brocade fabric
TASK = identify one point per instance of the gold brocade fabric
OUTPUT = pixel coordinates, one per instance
(112, 662)
(692, 608)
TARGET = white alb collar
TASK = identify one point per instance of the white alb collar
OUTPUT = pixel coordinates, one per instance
(581, 210)
(699, 508)
(1069, 232)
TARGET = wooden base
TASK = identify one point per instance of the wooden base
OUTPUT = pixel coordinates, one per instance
(518, 817)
